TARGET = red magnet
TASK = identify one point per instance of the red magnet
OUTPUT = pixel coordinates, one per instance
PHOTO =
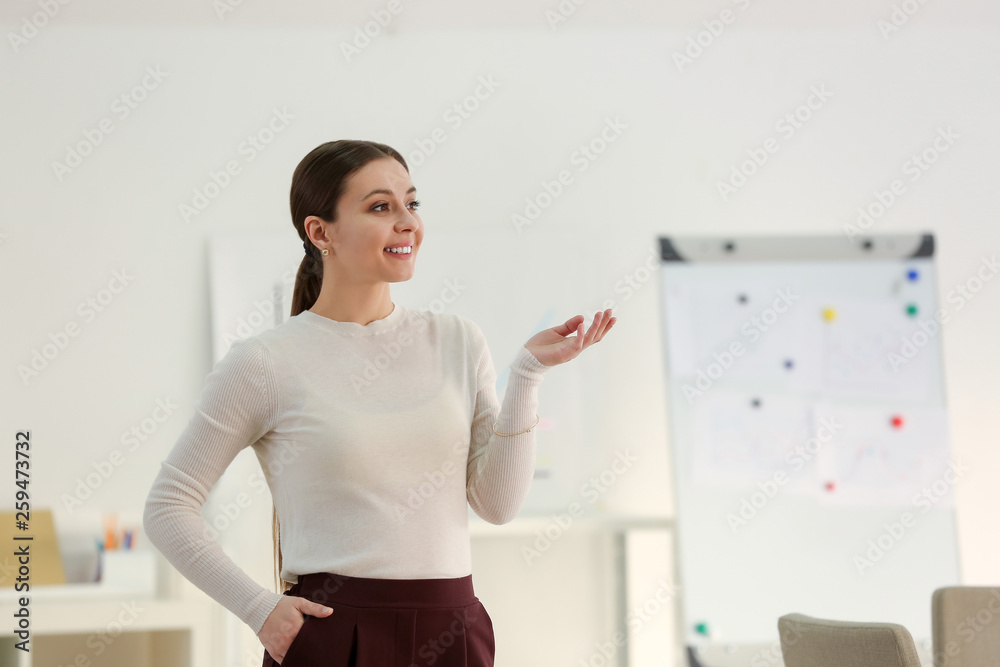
(829, 486)
(897, 422)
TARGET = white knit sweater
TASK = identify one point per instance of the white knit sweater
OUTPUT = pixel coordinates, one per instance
(373, 439)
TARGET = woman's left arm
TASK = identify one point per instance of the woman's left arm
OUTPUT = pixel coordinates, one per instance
(501, 467)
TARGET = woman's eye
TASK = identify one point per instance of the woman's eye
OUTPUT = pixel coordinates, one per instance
(415, 204)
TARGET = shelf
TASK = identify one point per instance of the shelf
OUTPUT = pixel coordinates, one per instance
(528, 525)
(73, 592)
(115, 630)
(133, 614)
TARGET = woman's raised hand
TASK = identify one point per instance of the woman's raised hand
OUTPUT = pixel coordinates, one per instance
(284, 623)
(555, 346)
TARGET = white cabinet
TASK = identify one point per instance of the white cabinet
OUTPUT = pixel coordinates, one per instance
(78, 625)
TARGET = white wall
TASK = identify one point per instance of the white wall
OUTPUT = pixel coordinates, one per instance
(64, 240)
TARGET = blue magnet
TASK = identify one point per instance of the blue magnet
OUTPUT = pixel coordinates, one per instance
(912, 275)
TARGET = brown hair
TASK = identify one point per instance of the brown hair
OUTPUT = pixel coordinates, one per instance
(317, 184)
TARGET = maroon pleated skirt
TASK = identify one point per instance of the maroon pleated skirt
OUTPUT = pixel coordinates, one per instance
(390, 623)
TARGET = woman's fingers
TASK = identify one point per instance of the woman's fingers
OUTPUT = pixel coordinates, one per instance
(607, 326)
(598, 328)
(594, 328)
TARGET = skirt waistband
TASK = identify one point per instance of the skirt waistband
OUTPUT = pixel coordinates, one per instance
(329, 587)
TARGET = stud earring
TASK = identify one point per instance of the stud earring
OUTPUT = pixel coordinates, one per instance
(325, 252)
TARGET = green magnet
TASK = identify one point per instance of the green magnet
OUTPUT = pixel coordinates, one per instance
(701, 629)
(911, 309)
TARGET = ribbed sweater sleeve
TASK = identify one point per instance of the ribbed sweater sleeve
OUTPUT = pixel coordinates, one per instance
(500, 467)
(238, 405)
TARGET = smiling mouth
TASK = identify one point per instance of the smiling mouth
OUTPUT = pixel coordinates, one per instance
(403, 251)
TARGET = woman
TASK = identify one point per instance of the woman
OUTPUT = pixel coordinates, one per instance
(375, 426)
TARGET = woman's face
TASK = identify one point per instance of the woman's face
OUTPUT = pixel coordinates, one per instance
(378, 209)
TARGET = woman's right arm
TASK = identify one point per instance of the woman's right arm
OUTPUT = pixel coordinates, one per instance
(238, 405)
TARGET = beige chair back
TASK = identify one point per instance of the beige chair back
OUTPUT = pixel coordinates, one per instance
(965, 624)
(817, 642)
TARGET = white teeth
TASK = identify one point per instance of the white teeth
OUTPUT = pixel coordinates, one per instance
(405, 250)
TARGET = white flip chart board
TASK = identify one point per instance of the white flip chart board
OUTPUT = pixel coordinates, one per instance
(809, 434)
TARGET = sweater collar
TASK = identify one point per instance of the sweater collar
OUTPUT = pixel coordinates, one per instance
(387, 323)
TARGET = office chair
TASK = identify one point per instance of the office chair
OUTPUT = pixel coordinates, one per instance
(817, 642)
(965, 624)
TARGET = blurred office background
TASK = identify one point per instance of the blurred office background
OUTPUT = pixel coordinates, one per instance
(135, 135)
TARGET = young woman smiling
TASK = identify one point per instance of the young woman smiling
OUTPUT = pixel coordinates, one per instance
(346, 434)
